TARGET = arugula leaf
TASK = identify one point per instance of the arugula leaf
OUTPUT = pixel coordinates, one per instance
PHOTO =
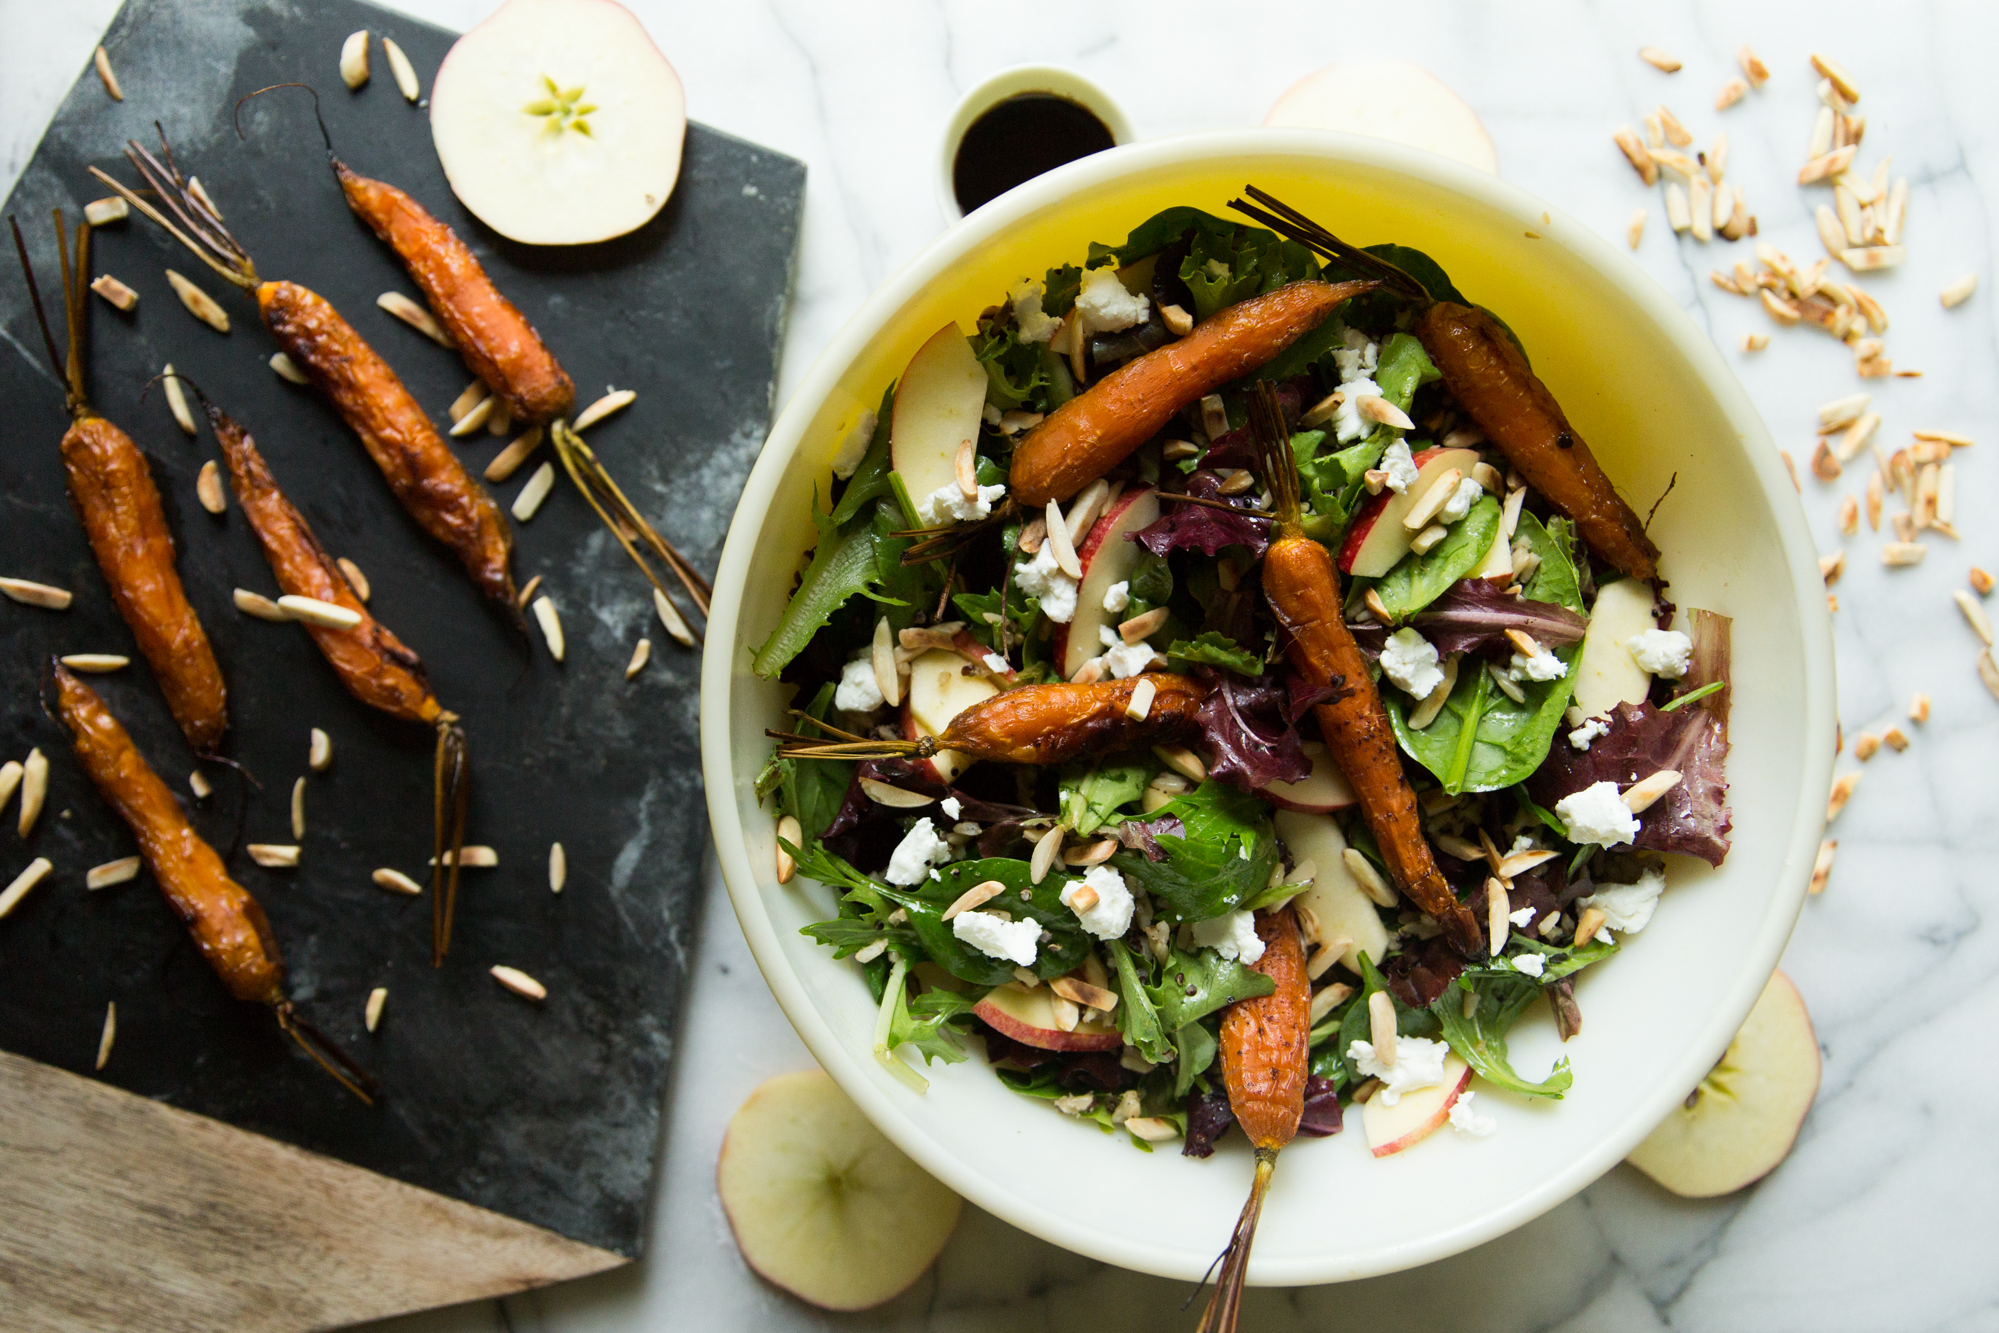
(1480, 1041)
(1417, 580)
(1061, 953)
(863, 917)
(1091, 793)
(870, 479)
(924, 1023)
(1194, 1049)
(1194, 985)
(1137, 1018)
(1215, 649)
(1506, 741)
(861, 559)
(1225, 858)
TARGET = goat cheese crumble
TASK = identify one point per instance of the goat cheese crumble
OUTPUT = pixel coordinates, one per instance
(1013, 941)
(1400, 465)
(1591, 728)
(919, 849)
(1110, 916)
(1597, 814)
(1104, 304)
(1233, 937)
(1410, 660)
(1531, 964)
(951, 807)
(1348, 424)
(1031, 323)
(1118, 596)
(1663, 652)
(855, 447)
(859, 691)
(1461, 501)
(948, 504)
(1627, 907)
(1543, 665)
(1419, 1063)
(1042, 579)
(1128, 659)
(1471, 1124)
(1522, 918)
(1357, 356)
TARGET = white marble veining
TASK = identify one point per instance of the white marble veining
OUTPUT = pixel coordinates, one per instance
(1884, 1216)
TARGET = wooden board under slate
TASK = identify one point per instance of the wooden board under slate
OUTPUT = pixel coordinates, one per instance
(548, 1113)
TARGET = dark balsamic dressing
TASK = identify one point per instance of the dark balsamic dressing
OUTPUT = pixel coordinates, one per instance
(1020, 139)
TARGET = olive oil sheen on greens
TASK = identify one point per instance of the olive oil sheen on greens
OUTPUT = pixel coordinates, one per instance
(1018, 140)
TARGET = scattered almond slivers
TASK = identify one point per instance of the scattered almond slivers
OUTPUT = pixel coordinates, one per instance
(1960, 291)
(1369, 879)
(1981, 624)
(414, 315)
(1842, 792)
(1636, 153)
(641, 653)
(326, 615)
(1083, 993)
(1046, 848)
(473, 856)
(1059, 541)
(258, 605)
(474, 419)
(354, 73)
(1641, 795)
(558, 865)
(110, 1032)
(37, 870)
(199, 304)
(30, 593)
(112, 872)
(372, 1015)
(603, 407)
(528, 503)
(274, 855)
(197, 782)
(508, 461)
(1381, 1026)
(670, 617)
(96, 663)
(399, 65)
(515, 980)
(881, 657)
(103, 62)
(117, 293)
(1657, 59)
(1182, 761)
(208, 488)
(34, 790)
(550, 621)
(396, 882)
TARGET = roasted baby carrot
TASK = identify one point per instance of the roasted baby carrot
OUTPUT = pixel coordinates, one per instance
(375, 666)
(423, 474)
(1485, 372)
(227, 923)
(1302, 586)
(111, 488)
(497, 342)
(1098, 428)
(1264, 1056)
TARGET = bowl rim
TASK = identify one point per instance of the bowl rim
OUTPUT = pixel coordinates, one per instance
(781, 449)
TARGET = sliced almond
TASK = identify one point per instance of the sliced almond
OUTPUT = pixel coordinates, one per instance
(1432, 499)
(534, 491)
(1842, 792)
(110, 80)
(1379, 410)
(1182, 761)
(558, 864)
(312, 611)
(208, 488)
(1842, 412)
(888, 680)
(1865, 746)
(1433, 703)
(475, 418)
(1657, 59)
(1369, 879)
(472, 856)
(468, 398)
(1974, 614)
(1779, 309)
(515, 980)
(982, 892)
(406, 84)
(117, 293)
(1981, 582)
(1059, 542)
(273, 855)
(258, 605)
(1642, 794)
(640, 653)
(615, 400)
(199, 304)
(1988, 672)
(551, 626)
(1753, 67)
(1679, 213)
(1755, 342)
(396, 882)
(112, 872)
(1832, 566)
(104, 212)
(1898, 554)
(354, 73)
(1328, 998)
(197, 782)
(1826, 165)
(1919, 707)
(1960, 291)
(34, 790)
(37, 871)
(670, 617)
(1085, 994)
(110, 1032)
(1636, 153)
(1381, 1026)
(372, 1014)
(508, 460)
(1519, 863)
(1835, 72)
(96, 663)
(1139, 706)
(414, 315)
(1849, 516)
(1896, 213)
(1731, 92)
(898, 798)
(1868, 258)
(30, 593)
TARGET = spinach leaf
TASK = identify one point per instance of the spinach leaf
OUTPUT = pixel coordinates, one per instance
(1402, 367)
(1150, 585)
(1091, 793)
(1480, 1041)
(1159, 231)
(860, 559)
(1225, 858)
(1215, 649)
(1194, 1049)
(870, 479)
(1357, 1025)
(1062, 952)
(1422, 268)
(1137, 1017)
(1194, 985)
(1506, 741)
(1417, 580)
(925, 1023)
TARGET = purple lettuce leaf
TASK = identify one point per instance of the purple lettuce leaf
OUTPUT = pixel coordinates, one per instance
(1249, 727)
(1421, 973)
(1472, 613)
(1237, 448)
(1693, 817)
(1323, 1117)
(1208, 1118)
(1142, 835)
(1568, 1014)
(1186, 527)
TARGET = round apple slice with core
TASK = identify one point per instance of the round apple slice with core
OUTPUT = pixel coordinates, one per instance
(1388, 99)
(1606, 674)
(938, 402)
(1324, 788)
(558, 122)
(939, 690)
(1028, 1016)
(1743, 1118)
(1108, 555)
(1416, 1115)
(1377, 538)
(821, 1203)
(1338, 904)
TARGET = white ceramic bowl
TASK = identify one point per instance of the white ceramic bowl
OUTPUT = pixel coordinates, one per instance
(1654, 399)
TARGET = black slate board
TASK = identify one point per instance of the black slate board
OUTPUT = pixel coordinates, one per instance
(547, 1112)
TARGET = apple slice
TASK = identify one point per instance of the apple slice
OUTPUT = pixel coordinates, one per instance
(1324, 788)
(1606, 675)
(1416, 1115)
(939, 690)
(1745, 1115)
(1028, 1016)
(1108, 556)
(937, 407)
(558, 122)
(1335, 900)
(1388, 99)
(821, 1203)
(1377, 538)
(1497, 566)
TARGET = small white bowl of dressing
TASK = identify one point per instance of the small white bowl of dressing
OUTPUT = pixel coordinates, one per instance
(1020, 123)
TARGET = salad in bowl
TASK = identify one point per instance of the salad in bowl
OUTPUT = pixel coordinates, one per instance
(1229, 695)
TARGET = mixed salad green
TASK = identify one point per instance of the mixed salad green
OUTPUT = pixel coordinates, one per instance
(1529, 689)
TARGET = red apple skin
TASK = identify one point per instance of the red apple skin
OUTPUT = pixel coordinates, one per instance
(1363, 522)
(1100, 533)
(995, 1015)
(924, 768)
(1428, 1127)
(974, 651)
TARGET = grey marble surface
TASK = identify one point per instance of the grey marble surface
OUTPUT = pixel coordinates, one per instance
(1884, 1215)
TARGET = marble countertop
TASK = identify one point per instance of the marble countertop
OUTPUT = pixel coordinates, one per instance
(1883, 1216)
